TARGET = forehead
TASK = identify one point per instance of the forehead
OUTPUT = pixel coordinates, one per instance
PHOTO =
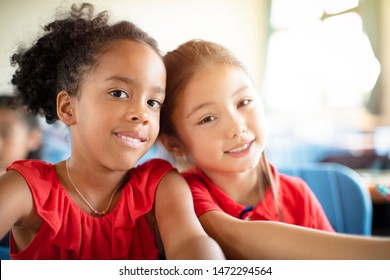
(129, 59)
(10, 114)
(215, 82)
(123, 51)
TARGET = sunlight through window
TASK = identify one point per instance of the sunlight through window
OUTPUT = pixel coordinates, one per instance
(319, 57)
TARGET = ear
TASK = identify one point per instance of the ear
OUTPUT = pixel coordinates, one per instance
(172, 144)
(34, 139)
(65, 108)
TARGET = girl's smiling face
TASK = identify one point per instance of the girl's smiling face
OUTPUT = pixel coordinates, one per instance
(219, 120)
(117, 109)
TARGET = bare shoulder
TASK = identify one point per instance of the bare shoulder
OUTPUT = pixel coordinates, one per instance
(172, 177)
(12, 184)
(173, 191)
(182, 234)
(173, 205)
(173, 183)
(16, 202)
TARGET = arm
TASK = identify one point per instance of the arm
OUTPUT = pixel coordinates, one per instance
(273, 240)
(181, 233)
(16, 203)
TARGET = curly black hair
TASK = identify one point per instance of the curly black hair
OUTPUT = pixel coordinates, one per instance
(68, 50)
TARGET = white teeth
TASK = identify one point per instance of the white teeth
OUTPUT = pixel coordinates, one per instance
(130, 139)
(242, 148)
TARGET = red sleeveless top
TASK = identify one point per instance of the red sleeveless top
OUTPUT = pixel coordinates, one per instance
(69, 233)
(298, 203)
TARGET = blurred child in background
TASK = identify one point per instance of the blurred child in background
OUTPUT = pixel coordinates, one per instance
(20, 133)
(20, 137)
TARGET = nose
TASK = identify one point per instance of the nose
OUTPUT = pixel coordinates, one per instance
(236, 126)
(138, 112)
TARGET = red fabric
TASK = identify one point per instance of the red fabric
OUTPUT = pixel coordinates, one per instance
(296, 200)
(69, 233)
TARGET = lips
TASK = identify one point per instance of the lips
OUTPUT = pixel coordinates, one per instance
(239, 149)
(132, 138)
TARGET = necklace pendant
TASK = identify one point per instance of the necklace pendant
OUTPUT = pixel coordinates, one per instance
(95, 212)
(99, 213)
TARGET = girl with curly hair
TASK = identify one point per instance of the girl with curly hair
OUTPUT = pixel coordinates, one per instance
(107, 84)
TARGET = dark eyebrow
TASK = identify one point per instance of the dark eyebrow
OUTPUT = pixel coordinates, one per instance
(159, 89)
(126, 80)
(120, 78)
(240, 89)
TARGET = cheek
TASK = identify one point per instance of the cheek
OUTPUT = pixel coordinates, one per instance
(202, 142)
(260, 128)
(186, 135)
(259, 120)
(154, 122)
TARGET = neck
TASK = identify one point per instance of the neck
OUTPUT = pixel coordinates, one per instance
(93, 177)
(98, 191)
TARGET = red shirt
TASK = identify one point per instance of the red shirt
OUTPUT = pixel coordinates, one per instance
(69, 233)
(297, 202)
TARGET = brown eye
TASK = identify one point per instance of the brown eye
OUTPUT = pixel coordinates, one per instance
(243, 103)
(155, 104)
(207, 119)
(119, 94)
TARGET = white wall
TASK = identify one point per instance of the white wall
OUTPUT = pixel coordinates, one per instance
(237, 24)
(385, 56)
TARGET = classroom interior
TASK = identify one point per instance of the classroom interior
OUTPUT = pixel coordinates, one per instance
(322, 68)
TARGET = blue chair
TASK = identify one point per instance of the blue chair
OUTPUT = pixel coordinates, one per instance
(4, 253)
(340, 190)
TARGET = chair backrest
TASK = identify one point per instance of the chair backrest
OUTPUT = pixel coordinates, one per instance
(4, 253)
(340, 190)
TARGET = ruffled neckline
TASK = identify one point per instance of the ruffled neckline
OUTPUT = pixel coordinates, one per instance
(66, 219)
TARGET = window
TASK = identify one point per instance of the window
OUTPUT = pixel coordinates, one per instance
(320, 71)
(319, 57)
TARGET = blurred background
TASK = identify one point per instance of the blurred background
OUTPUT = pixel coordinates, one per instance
(321, 66)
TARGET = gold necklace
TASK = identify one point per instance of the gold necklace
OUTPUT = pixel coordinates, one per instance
(96, 212)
